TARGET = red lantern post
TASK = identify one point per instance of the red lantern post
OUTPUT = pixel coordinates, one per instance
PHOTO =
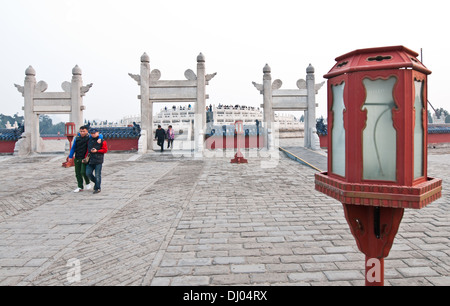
(239, 157)
(70, 134)
(377, 137)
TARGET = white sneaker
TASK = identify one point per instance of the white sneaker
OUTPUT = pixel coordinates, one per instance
(78, 190)
(88, 186)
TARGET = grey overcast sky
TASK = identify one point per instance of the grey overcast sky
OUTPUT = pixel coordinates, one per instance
(238, 37)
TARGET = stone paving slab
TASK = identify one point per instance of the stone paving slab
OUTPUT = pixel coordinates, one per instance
(178, 220)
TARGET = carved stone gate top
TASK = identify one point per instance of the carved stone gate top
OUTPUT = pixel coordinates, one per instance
(191, 90)
(37, 101)
(301, 99)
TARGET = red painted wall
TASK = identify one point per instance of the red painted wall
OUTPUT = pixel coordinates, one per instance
(54, 138)
(7, 146)
(122, 144)
(220, 142)
(323, 141)
(438, 138)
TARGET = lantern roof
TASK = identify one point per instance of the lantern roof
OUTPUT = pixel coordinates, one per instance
(394, 57)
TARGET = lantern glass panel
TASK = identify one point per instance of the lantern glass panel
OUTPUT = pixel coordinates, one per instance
(379, 135)
(338, 131)
(418, 130)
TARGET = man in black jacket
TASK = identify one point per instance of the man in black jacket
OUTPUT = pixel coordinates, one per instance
(160, 136)
(96, 150)
(78, 152)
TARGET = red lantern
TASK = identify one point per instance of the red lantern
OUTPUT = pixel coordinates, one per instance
(239, 130)
(377, 136)
(70, 134)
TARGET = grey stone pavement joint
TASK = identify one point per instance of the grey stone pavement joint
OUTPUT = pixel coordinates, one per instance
(174, 220)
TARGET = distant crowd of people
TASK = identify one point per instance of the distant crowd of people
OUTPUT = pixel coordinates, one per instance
(180, 108)
(220, 106)
(237, 107)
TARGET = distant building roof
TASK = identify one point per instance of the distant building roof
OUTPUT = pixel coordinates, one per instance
(439, 129)
(10, 134)
(120, 132)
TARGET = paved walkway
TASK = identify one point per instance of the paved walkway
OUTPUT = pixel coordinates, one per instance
(294, 149)
(314, 159)
(174, 220)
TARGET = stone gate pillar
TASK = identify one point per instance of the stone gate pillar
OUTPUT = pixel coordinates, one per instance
(301, 99)
(154, 90)
(76, 115)
(200, 107)
(31, 119)
(37, 102)
(310, 115)
(267, 104)
(146, 104)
